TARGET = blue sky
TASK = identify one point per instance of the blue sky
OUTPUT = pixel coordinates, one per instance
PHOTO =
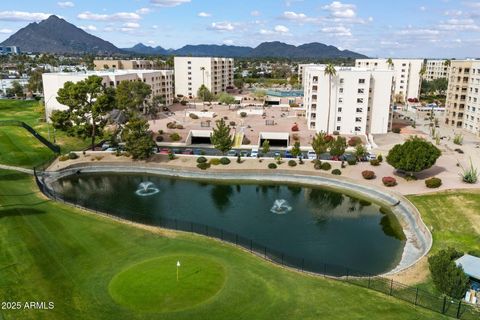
(408, 28)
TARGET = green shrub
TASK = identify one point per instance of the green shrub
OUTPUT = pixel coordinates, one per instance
(447, 277)
(292, 163)
(239, 159)
(72, 156)
(232, 124)
(272, 166)
(396, 130)
(380, 158)
(352, 162)
(215, 161)
(368, 175)
(433, 183)
(201, 160)
(193, 116)
(203, 165)
(317, 164)
(63, 158)
(160, 131)
(470, 175)
(375, 162)
(179, 126)
(326, 166)
(458, 139)
(159, 138)
(243, 114)
(175, 136)
(171, 156)
(225, 161)
(336, 172)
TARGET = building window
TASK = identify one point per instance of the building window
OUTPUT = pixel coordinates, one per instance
(361, 91)
(361, 81)
(358, 119)
(340, 100)
(341, 81)
(359, 100)
(339, 119)
(359, 110)
(340, 90)
(338, 128)
(339, 109)
(358, 129)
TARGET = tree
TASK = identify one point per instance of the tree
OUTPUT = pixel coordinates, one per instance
(131, 96)
(320, 143)
(330, 72)
(422, 71)
(390, 63)
(260, 94)
(204, 93)
(447, 277)
(296, 151)
(15, 90)
(138, 139)
(221, 138)
(61, 120)
(35, 83)
(265, 146)
(238, 83)
(447, 63)
(225, 98)
(88, 102)
(415, 155)
(360, 151)
(338, 146)
(155, 105)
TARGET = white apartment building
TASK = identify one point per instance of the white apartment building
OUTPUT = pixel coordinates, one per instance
(435, 69)
(407, 79)
(301, 72)
(463, 95)
(160, 81)
(191, 72)
(359, 101)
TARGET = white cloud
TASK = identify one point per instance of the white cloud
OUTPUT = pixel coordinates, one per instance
(455, 24)
(131, 25)
(290, 15)
(228, 42)
(255, 13)
(281, 29)
(89, 28)
(119, 16)
(66, 4)
(6, 31)
(418, 32)
(168, 3)
(423, 8)
(204, 14)
(265, 31)
(338, 31)
(143, 11)
(23, 16)
(222, 26)
(454, 13)
(341, 10)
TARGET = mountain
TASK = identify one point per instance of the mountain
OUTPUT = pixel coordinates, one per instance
(275, 49)
(140, 48)
(55, 35)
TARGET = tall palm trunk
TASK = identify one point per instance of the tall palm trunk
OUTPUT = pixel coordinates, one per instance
(329, 101)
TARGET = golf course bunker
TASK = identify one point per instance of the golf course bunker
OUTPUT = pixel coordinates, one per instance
(152, 285)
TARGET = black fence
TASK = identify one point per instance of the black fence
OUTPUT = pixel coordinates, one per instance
(444, 305)
(55, 148)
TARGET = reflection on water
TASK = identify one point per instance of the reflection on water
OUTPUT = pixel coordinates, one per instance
(320, 225)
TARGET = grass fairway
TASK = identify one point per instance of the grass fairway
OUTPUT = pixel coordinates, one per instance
(152, 285)
(51, 252)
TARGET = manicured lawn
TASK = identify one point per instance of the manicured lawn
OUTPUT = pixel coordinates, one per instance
(51, 252)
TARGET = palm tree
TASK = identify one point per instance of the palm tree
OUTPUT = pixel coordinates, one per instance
(447, 63)
(390, 63)
(423, 70)
(330, 72)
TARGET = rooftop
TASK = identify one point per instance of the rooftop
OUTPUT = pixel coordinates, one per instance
(104, 73)
(470, 265)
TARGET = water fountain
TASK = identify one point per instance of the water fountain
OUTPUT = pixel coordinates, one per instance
(280, 206)
(146, 189)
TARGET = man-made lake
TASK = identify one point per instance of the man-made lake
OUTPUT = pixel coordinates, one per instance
(316, 225)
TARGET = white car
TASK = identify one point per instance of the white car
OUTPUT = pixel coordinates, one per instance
(254, 153)
(311, 155)
(371, 156)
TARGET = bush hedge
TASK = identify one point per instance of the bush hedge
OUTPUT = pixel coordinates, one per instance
(292, 163)
(326, 166)
(272, 166)
(159, 138)
(433, 182)
(201, 160)
(317, 164)
(352, 162)
(396, 130)
(193, 116)
(175, 136)
(203, 165)
(375, 162)
(389, 181)
(225, 161)
(368, 174)
(336, 172)
(215, 161)
(72, 156)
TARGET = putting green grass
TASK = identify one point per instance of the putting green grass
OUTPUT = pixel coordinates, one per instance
(153, 286)
(52, 252)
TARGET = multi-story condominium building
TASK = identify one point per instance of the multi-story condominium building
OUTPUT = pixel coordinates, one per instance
(109, 64)
(463, 95)
(435, 69)
(359, 100)
(301, 72)
(160, 81)
(4, 50)
(191, 72)
(407, 79)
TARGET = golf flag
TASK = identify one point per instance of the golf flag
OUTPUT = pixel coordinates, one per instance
(178, 265)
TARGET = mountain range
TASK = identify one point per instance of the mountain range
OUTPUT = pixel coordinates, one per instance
(55, 35)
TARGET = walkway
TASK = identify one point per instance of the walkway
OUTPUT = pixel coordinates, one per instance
(20, 169)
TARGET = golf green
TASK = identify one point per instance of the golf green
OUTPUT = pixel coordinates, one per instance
(152, 285)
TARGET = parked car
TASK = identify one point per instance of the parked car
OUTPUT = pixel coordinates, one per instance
(288, 154)
(311, 155)
(232, 153)
(371, 156)
(244, 153)
(198, 152)
(277, 154)
(187, 151)
(254, 153)
(347, 157)
(165, 151)
(176, 151)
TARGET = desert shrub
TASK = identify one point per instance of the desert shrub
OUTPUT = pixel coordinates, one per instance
(326, 166)
(225, 161)
(433, 182)
(193, 116)
(171, 125)
(368, 174)
(203, 166)
(389, 181)
(354, 141)
(375, 162)
(295, 127)
(232, 123)
(396, 130)
(183, 102)
(292, 163)
(179, 126)
(469, 175)
(215, 161)
(458, 139)
(98, 158)
(336, 133)
(295, 137)
(352, 162)
(272, 166)
(160, 131)
(380, 158)
(336, 172)
(159, 138)
(175, 136)
(239, 159)
(63, 158)
(171, 156)
(201, 160)
(72, 156)
(243, 114)
(317, 164)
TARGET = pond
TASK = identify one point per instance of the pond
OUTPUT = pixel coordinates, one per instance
(309, 224)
